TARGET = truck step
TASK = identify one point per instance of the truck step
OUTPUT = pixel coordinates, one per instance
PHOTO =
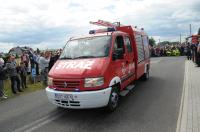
(126, 90)
(130, 87)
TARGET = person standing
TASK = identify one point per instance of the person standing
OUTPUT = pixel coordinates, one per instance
(31, 58)
(189, 52)
(158, 51)
(25, 59)
(44, 65)
(2, 78)
(57, 56)
(52, 60)
(161, 52)
(12, 72)
(198, 54)
(23, 73)
(54, 57)
(182, 50)
(36, 58)
(193, 50)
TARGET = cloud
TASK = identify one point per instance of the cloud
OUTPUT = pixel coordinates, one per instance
(35, 35)
(46, 22)
(5, 47)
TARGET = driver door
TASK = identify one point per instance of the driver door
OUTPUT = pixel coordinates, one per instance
(119, 63)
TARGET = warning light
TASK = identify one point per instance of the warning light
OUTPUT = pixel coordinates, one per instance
(102, 30)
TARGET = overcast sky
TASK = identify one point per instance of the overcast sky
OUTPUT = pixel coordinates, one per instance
(49, 23)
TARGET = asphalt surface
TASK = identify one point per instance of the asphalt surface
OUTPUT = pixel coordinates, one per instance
(152, 106)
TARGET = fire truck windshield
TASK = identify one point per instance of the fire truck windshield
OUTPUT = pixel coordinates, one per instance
(92, 47)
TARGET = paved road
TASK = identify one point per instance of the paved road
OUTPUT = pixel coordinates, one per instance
(152, 106)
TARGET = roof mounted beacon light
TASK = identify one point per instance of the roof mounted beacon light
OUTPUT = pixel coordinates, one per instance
(102, 30)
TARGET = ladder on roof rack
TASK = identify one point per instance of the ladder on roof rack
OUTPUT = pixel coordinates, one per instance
(106, 24)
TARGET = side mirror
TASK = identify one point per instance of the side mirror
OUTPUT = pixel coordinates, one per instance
(118, 54)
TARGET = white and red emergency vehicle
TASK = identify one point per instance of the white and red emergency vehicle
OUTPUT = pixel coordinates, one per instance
(94, 70)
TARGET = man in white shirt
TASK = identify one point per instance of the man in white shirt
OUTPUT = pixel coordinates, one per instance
(43, 65)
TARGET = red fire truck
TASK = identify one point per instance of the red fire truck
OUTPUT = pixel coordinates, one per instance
(94, 70)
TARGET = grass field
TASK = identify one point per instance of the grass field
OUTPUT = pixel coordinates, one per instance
(31, 88)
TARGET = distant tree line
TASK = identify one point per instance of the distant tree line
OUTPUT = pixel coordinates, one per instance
(152, 42)
(168, 43)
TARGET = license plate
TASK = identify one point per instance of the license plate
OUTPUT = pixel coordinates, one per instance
(67, 97)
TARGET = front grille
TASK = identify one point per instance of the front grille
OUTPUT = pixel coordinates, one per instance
(66, 85)
(67, 103)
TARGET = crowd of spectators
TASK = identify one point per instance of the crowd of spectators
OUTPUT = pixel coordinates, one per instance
(37, 64)
(192, 51)
(169, 50)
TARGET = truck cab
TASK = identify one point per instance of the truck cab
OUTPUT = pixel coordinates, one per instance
(93, 70)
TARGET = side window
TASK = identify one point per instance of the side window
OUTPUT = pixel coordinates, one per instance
(119, 43)
(128, 44)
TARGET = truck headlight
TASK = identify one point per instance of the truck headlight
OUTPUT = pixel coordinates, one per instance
(50, 81)
(94, 82)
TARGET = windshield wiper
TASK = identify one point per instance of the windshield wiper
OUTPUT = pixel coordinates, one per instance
(85, 57)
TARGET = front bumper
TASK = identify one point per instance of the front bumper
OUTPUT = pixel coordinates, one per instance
(85, 99)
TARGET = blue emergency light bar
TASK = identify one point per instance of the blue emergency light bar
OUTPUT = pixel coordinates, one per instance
(102, 30)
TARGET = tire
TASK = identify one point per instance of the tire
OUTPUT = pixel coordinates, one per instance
(113, 100)
(146, 75)
(60, 108)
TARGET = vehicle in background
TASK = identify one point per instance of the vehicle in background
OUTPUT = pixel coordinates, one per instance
(173, 52)
(194, 41)
(94, 70)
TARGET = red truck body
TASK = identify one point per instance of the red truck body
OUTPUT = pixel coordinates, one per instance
(194, 39)
(97, 79)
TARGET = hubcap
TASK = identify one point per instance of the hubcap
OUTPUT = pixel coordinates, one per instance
(114, 99)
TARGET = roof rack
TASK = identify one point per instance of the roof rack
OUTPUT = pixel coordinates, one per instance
(106, 24)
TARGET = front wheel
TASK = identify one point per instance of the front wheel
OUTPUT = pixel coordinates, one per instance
(113, 100)
(146, 76)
